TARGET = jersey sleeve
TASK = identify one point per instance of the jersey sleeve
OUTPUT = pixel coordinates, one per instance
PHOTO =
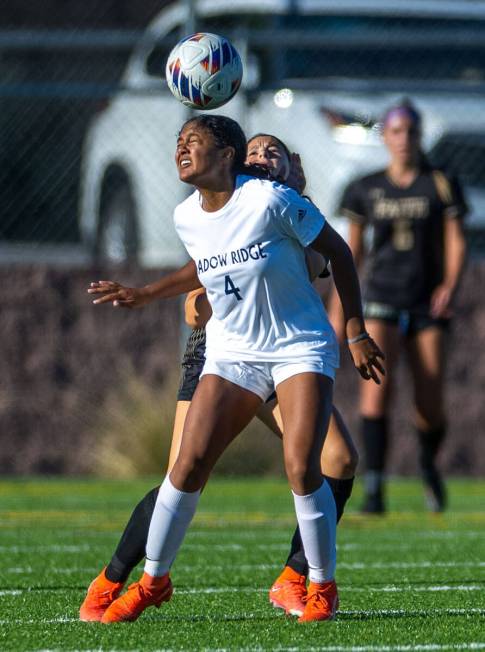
(451, 194)
(352, 203)
(297, 217)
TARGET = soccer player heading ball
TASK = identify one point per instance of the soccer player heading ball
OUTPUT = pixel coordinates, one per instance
(268, 330)
(338, 460)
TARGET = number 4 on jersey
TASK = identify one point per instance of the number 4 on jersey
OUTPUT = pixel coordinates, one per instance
(231, 288)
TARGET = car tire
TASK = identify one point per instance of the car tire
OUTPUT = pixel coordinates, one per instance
(117, 240)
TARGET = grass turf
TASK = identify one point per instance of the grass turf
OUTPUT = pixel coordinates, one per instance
(408, 581)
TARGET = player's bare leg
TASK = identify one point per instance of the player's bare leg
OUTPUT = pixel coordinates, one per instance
(339, 457)
(107, 586)
(426, 353)
(306, 403)
(339, 460)
(374, 407)
(178, 429)
(218, 412)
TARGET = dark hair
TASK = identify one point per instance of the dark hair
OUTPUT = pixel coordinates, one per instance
(278, 140)
(404, 107)
(226, 133)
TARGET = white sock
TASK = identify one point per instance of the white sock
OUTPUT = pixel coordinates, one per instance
(173, 512)
(316, 514)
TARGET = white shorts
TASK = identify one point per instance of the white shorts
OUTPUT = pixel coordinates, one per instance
(261, 378)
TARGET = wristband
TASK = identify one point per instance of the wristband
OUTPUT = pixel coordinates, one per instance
(358, 338)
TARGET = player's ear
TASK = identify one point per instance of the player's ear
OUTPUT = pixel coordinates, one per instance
(229, 153)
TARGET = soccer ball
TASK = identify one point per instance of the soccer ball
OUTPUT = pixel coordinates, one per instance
(204, 71)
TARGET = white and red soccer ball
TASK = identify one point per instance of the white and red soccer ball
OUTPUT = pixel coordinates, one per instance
(204, 71)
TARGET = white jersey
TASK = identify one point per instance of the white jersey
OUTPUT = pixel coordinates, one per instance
(250, 258)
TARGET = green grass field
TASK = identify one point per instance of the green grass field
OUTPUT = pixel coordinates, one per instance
(408, 581)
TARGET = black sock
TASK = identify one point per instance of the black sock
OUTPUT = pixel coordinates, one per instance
(131, 547)
(296, 559)
(341, 490)
(430, 443)
(374, 435)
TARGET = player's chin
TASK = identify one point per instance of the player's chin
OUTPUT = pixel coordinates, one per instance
(187, 175)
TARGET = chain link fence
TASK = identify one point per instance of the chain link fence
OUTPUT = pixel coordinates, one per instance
(87, 130)
(87, 126)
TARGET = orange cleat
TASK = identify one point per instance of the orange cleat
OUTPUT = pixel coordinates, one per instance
(100, 595)
(140, 595)
(288, 592)
(321, 602)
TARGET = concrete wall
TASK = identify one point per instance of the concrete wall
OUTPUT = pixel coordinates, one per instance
(60, 356)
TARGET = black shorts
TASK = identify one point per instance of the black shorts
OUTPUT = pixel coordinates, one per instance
(192, 365)
(410, 322)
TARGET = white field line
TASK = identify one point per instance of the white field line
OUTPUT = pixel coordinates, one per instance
(188, 546)
(85, 547)
(277, 531)
(390, 588)
(27, 570)
(358, 565)
(283, 545)
(363, 613)
(223, 547)
(427, 647)
(371, 547)
(280, 533)
(413, 612)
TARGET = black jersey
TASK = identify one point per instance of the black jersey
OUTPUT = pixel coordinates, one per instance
(405, 261)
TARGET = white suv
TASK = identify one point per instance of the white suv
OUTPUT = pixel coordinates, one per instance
(318, 74)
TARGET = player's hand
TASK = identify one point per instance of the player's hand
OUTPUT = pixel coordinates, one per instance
(296, 178)
(365, 355)
(440, 306)
(118, 295)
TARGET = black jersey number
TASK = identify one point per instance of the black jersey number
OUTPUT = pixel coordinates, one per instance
(231, 288)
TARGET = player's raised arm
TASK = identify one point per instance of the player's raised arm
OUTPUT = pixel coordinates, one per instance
(181, 281)
(364, 351)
